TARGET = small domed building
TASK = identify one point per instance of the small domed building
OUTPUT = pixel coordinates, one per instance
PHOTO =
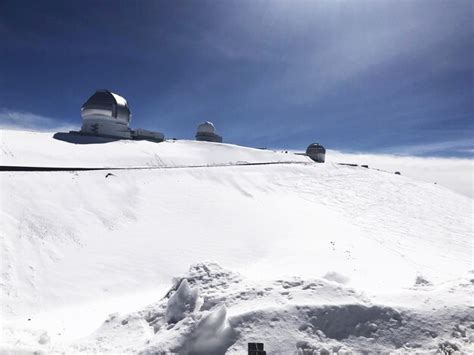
(106, 114)
(207, 132)
(316, 152)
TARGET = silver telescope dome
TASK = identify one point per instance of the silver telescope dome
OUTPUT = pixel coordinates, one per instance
(107, 104)
(106, 113)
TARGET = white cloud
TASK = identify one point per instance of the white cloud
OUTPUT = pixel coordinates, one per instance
(453, 173)
(10, 119)
(460, 145)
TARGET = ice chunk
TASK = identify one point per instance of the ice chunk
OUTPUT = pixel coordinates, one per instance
(184, 301)
(213, 334)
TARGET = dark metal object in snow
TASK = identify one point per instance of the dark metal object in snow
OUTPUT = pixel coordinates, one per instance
(347, 164)
(316, 152)
(256, 349)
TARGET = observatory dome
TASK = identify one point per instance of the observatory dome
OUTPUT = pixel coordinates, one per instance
(316, 152)
(207, 132)
(206, 127)
(106, 114)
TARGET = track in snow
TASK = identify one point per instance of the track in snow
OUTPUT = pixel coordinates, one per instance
(52, 169)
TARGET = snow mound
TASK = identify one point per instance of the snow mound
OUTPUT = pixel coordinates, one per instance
(39, 149)
(288, 316)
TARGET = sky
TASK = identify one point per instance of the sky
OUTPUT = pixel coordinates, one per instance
(391, 77)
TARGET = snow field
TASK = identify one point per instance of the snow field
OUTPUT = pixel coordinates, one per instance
(377, 256)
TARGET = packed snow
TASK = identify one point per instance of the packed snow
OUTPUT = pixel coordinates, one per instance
(304, 257)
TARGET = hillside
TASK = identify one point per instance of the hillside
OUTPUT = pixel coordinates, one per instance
(20, 148)
(79, 245)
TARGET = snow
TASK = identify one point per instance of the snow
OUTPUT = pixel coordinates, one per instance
(310, 315)
(22, 148)
(294, 254)
(456, 174)
(183, 301)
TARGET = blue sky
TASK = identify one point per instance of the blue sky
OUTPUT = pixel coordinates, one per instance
(373, 76)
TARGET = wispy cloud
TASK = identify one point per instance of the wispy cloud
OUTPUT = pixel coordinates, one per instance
(10, 119)
(465, 146)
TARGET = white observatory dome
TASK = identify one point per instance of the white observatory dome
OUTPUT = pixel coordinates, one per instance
(206, 127)
(207, 132)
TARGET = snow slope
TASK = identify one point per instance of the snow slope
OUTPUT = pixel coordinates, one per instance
(76, 246)
(456, 174)
(20, 148)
